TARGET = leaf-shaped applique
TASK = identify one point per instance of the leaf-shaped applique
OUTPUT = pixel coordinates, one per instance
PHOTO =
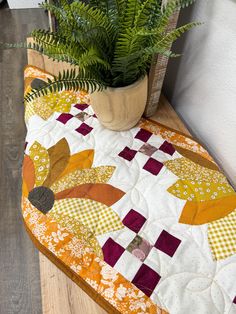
(222, 236)
(98, 217)
(78, 229)
(40, 158)
(100, 192)
(25, 191)
(41, 107)
(198, 213)
(64, 101)
(199, 191)
(45, 105)
(188, 170)
(198, 159)
(93, 175)
(59, 155)
(80, 160)
(28, 173)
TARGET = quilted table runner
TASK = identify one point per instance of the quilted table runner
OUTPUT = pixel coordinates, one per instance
(144, 217)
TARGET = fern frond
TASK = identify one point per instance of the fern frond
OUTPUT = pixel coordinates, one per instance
(54, 44)
(131, 9)
(118, 6)
(25, 45)
(67, 80)
(91, 58)
(168, 11)
(63, 15)
(170, 37)
(102, 5)
(146, 10)
(112, 42)
(94, 17)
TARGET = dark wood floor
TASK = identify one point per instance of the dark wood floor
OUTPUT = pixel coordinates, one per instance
(19, 264)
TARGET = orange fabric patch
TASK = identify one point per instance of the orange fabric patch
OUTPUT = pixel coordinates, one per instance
(28, 173)
(103, 193)
(80, 160)
(123, 295)
(25, 190)
(197, 213)
(196, 158)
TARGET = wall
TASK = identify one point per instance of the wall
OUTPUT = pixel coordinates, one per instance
(23, 4)
(201, 85)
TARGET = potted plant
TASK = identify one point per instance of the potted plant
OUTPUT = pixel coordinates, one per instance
(111, 43)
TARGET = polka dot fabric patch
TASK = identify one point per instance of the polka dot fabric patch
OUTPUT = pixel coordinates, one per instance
(40, 158)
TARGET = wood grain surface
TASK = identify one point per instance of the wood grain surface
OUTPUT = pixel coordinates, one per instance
(157, 74)
(19, 261)
(120, 109)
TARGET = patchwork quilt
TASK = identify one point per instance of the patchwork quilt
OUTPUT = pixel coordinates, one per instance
(144, 217)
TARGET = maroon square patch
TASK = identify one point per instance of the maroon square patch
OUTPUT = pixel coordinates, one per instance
(147, 149)
(146, 279)
(234, 300)
(112, 251)
(64, 117)
(81, 106)
(167, 243)
(143, 135)
(134, 220)
(127, 153)
(84, 129)
(167, 148)
(154, 166)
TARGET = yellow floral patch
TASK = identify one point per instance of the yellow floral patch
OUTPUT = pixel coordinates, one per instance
(98, 217)
(45, 105)
(80, 258)
(78, 229)
(222, 236)
(91, 175)
(188, 170)
(40, 158)
(199, 191)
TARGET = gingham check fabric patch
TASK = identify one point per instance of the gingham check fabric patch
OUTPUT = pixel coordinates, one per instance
(98, 217)
(222, 236)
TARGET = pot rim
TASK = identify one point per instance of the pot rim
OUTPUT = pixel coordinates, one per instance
(133, 85)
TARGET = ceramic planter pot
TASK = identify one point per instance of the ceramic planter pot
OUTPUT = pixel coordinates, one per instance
(120, 108)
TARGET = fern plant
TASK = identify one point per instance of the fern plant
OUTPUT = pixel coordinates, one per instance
(110, 42)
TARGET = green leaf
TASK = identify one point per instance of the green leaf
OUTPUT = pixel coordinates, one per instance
(67, 80)
(111, 42)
